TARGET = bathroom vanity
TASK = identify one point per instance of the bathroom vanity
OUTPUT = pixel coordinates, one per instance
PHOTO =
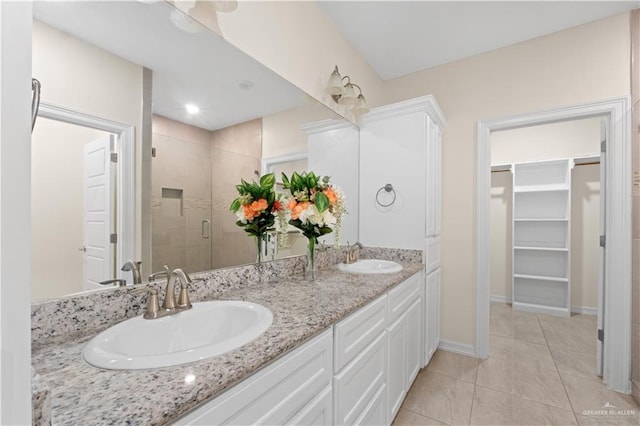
(343, 349)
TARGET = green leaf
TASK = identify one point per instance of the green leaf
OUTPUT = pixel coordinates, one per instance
(267, 181)
(321, 202)
(285, 181)
(296, 182)
(235, 205)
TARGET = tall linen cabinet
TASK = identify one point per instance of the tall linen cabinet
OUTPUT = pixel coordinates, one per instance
(400, 148)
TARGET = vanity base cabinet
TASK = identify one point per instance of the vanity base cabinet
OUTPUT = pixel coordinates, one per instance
(294, 388)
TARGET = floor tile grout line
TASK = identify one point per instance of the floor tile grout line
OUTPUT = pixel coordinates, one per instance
(417, 414)
(473, 398)
(515, 395)
(564, 386)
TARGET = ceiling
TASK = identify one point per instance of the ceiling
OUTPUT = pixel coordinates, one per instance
(401, 37)
(198, 68)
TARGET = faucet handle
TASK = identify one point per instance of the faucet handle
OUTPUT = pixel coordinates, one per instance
(117, 282)
(184, 301)
(153, 305)
(164, 273)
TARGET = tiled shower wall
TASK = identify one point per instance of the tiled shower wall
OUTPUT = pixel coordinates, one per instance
(635, 93)
(235, 154)
(194, 173)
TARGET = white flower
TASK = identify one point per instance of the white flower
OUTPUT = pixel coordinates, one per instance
(313, 216)
(240, 215)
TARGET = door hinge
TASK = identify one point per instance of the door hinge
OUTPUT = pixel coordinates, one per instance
(603, 146)
(601, 335)
(113, 238)
(114, 157)
(153, 152)
(603, 240)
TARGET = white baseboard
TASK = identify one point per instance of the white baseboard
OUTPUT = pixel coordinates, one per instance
(584, 310)
(499, 299)
(574, 309)
(458, 348)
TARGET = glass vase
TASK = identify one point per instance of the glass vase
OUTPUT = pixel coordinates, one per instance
(259, 240)
(310, 270)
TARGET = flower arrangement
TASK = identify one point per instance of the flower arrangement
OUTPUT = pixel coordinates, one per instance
(316, 208)
(257, 207)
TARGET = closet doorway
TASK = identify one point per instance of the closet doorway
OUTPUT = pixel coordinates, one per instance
(616, 323)
(547, 196)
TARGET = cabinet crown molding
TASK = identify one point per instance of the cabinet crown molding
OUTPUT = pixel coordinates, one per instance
(325, 125)
(426, 104)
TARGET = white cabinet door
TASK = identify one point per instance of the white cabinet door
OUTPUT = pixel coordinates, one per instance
(414, 342)
(432, 314)
(396, 364)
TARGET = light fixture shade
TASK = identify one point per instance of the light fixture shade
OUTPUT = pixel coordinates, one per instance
(225, 5)
(349, 96)
(334, 85)
(361, 106)
(185, 22)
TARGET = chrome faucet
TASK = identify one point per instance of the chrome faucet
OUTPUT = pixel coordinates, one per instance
(351, 257)
(135, 268)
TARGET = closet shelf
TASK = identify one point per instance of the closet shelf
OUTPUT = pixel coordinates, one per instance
(540, 188)
(558, 249)
(534, 307)
(541, 278)
(541, 220)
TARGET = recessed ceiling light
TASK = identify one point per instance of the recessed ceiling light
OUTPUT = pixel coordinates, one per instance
(192, 109)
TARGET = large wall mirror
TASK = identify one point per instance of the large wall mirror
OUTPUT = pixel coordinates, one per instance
(140, 64)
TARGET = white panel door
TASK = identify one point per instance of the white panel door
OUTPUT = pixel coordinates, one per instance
(98, 216)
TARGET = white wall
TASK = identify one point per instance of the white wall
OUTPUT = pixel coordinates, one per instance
(581, 64)
(82, 77)
(552, 141)
(57, 160)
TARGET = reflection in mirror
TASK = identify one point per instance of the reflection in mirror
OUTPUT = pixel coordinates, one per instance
(93, 58)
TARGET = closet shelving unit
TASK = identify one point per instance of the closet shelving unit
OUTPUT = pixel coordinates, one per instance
(541, 236)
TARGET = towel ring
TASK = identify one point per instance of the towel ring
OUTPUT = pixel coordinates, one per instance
(387, 188)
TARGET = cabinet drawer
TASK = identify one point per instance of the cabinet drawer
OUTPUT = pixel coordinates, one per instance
(318, 412)
(354, 333)
(358, 384)
(401, 297)
(277, 393)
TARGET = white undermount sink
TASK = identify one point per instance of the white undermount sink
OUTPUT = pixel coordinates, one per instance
(371, 266)
(206, 330)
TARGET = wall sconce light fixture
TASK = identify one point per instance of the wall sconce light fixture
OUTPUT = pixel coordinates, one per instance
(345, 94)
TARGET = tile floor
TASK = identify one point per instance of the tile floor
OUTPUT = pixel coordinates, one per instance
(540, 371)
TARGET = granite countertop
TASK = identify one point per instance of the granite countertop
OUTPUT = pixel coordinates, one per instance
(82, 394)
